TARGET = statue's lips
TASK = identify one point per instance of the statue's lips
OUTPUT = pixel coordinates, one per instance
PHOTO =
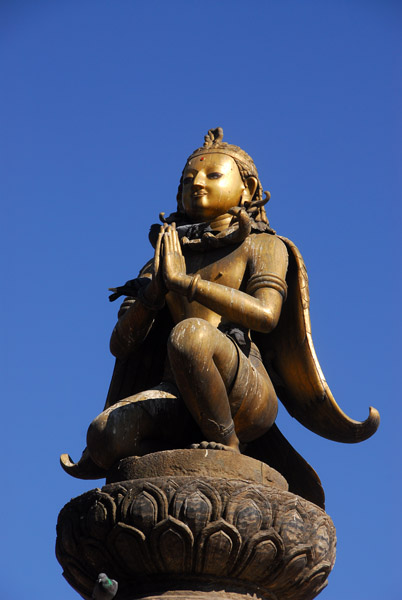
(198, 194)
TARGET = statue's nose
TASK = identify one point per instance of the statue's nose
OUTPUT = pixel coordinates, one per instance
(199, 180)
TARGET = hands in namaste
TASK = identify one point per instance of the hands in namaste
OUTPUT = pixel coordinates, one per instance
(169, 268)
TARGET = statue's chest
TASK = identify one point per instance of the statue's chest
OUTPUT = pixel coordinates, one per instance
(225, 266)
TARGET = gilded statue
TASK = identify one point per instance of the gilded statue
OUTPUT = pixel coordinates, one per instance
(214, 330)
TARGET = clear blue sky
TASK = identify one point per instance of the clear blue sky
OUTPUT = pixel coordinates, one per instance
(101, 103)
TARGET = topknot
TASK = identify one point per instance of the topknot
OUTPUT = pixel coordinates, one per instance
(213, 137)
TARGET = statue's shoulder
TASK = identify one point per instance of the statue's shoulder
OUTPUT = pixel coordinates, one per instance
(266, 239)
(267, 244)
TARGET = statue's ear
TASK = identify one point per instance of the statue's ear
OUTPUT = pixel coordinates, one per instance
(250, 185)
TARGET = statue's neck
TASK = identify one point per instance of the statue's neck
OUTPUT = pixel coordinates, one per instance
(221, 223)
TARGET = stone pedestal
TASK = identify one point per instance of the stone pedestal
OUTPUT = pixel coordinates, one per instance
(201, 524)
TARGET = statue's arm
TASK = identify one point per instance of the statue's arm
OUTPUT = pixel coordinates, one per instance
(258, 313)
(135, 321)
(267, 267)
(260, 308)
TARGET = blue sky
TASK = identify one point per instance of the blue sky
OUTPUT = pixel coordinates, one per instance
(101, 104)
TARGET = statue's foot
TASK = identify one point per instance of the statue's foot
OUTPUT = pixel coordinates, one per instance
(85, 468)
(213, 446)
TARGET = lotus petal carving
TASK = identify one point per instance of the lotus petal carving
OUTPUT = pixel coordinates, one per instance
(264, 539)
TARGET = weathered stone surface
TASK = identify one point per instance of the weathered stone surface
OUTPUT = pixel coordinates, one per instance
(197, 462)
(196, 537)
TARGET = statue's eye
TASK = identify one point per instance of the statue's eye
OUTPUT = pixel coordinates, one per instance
(188, 179)
(214, 175)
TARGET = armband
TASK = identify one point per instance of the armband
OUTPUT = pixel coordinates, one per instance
(267, 280)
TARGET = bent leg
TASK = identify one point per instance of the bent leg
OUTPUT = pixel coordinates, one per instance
(204, 363)
(131, 427)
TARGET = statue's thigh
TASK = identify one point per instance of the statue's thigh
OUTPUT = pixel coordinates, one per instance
(197, 343)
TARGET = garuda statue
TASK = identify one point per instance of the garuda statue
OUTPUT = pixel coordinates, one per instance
(213, 330)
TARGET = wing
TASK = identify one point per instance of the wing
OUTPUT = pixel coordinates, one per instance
(289, 356)
(142, 369)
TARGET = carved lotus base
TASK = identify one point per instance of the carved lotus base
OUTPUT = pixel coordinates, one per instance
(203, 537)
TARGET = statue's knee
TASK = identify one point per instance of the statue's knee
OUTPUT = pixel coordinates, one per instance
(188, 335)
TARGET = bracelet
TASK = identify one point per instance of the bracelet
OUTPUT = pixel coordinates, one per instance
(145, 301)
(192, 288)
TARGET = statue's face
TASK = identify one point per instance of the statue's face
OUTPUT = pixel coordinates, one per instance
(211, 186)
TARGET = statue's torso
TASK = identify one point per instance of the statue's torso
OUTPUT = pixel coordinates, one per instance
(229, 266)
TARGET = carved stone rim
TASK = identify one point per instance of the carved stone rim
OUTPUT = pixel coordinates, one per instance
(196, 463)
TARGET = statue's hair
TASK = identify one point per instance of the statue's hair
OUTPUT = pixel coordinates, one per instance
(213, 144)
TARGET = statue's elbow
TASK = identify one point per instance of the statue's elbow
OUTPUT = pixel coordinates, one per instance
(268, 321)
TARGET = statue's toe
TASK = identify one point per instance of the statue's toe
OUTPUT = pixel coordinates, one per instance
(212, 446)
